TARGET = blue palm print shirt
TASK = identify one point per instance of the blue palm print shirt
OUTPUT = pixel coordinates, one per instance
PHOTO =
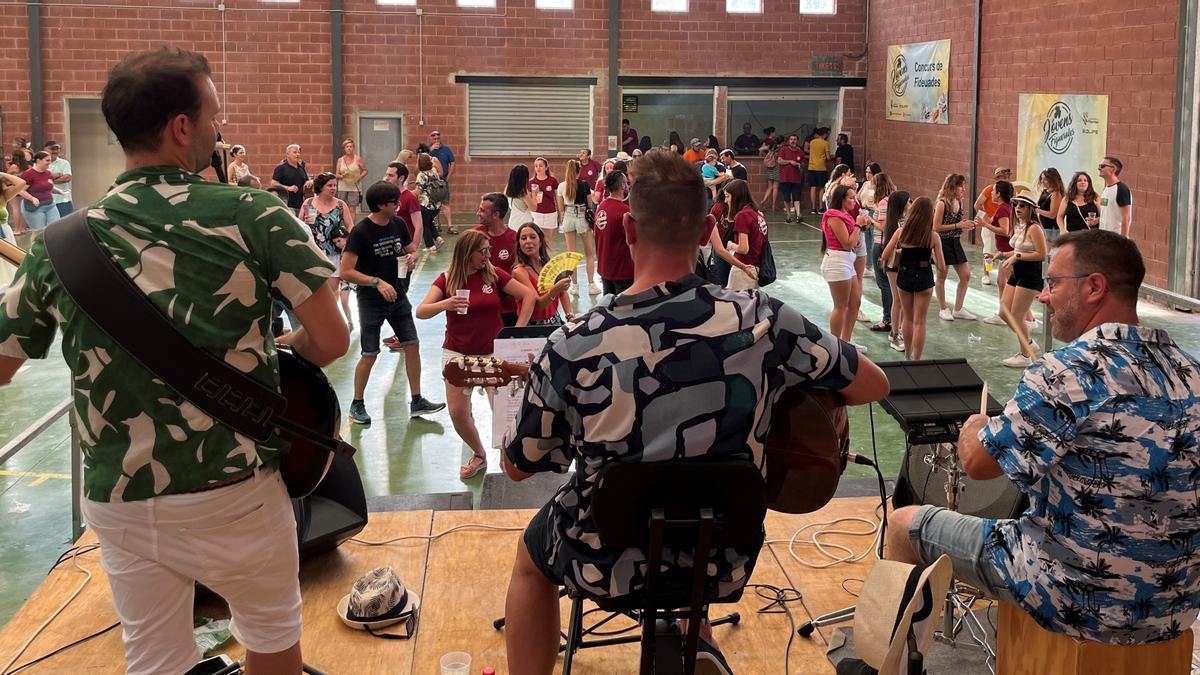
(1102, 437)
(684, 369)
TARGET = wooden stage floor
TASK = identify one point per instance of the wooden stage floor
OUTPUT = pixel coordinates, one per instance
(462, 579)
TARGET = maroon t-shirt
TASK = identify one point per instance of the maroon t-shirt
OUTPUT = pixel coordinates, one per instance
(629, 141)
(408, 204)
(41, 184)
(754, 226)
(613, 258)
(1003, 211)
(718, 213)
(790, 173)
(549, 187)
(504, 255)
(474, 332)
(590, 173)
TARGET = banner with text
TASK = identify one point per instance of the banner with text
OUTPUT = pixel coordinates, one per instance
(918, 82)
(1066, 131)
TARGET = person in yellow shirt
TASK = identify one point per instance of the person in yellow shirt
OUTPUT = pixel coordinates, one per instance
(818, 167)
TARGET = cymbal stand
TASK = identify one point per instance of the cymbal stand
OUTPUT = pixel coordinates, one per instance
(961, 597)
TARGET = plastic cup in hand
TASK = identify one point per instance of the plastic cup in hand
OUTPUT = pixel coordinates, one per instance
(466, 294)
(456, 663)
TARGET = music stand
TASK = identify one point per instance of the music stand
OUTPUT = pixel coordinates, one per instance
(931, 400)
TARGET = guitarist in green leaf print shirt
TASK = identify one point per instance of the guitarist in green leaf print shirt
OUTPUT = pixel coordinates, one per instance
(173, 496)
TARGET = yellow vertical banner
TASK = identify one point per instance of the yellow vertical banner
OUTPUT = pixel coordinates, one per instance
(918, 82)
(1068, 132)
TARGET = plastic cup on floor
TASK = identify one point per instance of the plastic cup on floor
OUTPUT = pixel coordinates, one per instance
(456, 663)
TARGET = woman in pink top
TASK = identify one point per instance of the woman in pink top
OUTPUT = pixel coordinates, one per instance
(841, 236)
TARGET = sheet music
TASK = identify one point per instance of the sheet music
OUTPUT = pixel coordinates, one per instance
(506, 404)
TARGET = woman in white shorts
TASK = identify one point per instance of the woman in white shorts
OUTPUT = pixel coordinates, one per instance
(573, 206)
(840, 236)
(543, 188)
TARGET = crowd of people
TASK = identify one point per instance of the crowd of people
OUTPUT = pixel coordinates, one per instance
(1100, 435)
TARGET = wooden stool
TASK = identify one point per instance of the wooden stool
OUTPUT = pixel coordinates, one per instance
(1025, 648)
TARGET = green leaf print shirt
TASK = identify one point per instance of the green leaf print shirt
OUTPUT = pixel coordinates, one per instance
(209, 255)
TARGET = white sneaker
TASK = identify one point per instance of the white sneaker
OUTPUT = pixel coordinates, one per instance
(994, 320)
(896, 343)
(964, 315)
(863, 317)
(1017, 361)
(1033, 344)
(593, 289)
(1034, 325)
(862, 349)
(987, 280)
(946, 315)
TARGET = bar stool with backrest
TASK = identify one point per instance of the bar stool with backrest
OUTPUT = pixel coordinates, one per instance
(695, 507)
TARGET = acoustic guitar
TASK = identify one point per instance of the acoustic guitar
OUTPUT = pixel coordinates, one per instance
(806, 447)
(310, 421)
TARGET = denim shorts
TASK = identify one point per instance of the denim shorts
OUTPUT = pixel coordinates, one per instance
(372, 313)
(936, 531)
(574, 219)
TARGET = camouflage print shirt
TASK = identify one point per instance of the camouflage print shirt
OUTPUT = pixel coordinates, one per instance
(684, 369)
(1102, 436)
(209, 255)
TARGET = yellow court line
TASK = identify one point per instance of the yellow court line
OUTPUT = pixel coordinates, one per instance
(39, 477)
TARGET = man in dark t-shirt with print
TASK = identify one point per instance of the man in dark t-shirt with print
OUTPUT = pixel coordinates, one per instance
(493, 209)
(292, 174)
(378, 258)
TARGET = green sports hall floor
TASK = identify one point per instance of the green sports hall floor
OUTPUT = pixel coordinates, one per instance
(403, 456)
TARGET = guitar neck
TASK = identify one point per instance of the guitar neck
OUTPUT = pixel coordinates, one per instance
(11, 254)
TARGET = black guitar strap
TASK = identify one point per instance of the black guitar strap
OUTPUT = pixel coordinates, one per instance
(106, 294)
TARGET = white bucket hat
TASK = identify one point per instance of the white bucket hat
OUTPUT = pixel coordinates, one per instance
(898, 598)
(378, 599)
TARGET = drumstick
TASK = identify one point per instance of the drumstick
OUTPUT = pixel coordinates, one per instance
(1026, 348)
(983, 400)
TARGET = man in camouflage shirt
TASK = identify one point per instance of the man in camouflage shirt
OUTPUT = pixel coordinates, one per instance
(174, 496)
(673, 368)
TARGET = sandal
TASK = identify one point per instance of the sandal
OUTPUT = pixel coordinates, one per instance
(880, 327)
(472, 467)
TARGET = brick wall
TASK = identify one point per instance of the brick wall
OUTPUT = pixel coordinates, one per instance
(274, 72)
(1073, 46)
(14, 78)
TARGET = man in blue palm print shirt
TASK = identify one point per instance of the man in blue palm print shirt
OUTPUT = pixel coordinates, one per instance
(1102, 437)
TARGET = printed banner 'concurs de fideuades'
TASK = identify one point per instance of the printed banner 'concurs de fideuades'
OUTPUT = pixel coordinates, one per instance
(1068, 132)
(918, 82)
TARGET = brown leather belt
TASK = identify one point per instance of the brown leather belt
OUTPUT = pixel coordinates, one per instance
(224, 482)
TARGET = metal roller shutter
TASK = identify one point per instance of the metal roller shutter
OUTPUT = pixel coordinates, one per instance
(767, 93)
(528, 119)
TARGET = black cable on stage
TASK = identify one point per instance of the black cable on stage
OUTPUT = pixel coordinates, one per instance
(64, 648)
(879, 474)
(779, 598)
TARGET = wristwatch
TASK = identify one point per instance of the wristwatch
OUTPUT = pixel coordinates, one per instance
(374, 282)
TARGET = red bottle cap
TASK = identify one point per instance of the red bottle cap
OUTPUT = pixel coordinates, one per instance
(489, 671)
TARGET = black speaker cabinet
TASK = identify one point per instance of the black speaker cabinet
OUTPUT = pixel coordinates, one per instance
(334, 512)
